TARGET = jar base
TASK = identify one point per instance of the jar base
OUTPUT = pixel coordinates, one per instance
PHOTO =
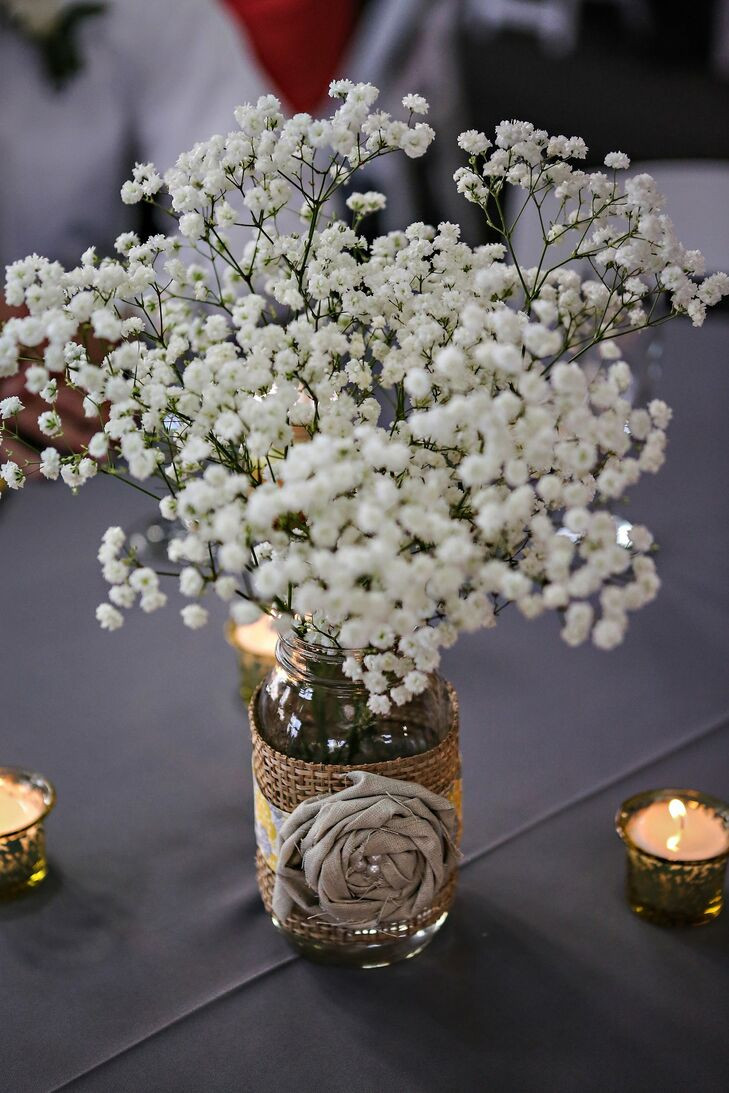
(660, 916)
(39, 874)
(363, 954)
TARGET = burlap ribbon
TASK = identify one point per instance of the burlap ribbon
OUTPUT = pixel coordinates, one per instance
(377, 851)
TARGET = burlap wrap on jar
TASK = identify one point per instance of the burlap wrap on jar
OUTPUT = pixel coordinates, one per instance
(366, 852)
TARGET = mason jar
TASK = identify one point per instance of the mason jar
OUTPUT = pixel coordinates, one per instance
(312, 722)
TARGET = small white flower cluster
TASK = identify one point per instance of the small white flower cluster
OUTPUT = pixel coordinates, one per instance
(623, 233)
(128, 581)
(382, 443)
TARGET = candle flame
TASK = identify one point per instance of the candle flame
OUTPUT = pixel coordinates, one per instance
(677, 812)
(676, 808)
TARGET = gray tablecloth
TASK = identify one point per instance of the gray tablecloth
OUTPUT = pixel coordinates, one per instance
(146, 962)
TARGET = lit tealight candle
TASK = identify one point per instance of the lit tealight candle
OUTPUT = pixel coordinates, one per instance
(678, 846)
(258, 638)
(25, 801)
(256, 648)
(679, 830)
(16, 812)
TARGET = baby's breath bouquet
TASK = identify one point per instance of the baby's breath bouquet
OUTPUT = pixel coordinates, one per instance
(380, 443)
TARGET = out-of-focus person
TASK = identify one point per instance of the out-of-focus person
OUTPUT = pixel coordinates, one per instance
(87, 90)
(407, 46)
(152, 78)
(300, 44)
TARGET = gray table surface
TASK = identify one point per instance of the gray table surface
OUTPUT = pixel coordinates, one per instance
(146, 963)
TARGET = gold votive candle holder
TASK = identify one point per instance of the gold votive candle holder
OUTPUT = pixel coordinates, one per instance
(677, 843)
(25, 801)
(255, 645)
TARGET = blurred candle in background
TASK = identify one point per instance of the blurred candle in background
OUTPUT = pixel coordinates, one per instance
(13, 813)
(255, 645)
(25, 801)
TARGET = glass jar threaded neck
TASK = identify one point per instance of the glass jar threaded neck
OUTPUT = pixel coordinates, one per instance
(314, 663)
(310, 709)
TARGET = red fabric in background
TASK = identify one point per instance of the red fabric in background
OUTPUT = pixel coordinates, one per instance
(299, 43)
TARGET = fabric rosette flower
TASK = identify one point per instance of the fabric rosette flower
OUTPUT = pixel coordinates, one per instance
(375, 852)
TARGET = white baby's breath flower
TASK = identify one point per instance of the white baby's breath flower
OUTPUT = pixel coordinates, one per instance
(12, 475)
(10, 406)
(144, 580)
(660, 413)
(415, 142)
(369, 202)
(131, 193)
(98, 445)
(113, 540)
(78, 472)
(416, 104)
(243, 612)
(226, 587)
(122, 595)
(108, 617)
(474, 142)
(115, 572)
(194, 616)
(338, 89)
(607, 633)
(192, 226)
(379, 704)
(152, 600)
(50, 463)
(191, 581)
(50, 423)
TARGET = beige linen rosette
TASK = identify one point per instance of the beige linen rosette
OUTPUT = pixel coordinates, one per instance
(367, 852)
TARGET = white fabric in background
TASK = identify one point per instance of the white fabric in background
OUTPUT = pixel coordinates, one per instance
(158, 77)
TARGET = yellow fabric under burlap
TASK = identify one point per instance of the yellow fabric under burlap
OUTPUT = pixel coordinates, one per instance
(283, 783)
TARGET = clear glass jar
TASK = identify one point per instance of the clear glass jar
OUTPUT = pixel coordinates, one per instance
(308, 709)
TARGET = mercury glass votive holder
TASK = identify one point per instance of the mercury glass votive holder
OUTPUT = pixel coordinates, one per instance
(255, 647)
(666, 890)
(25, 801)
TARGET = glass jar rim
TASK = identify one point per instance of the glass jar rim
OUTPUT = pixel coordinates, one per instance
(333, 652)
(290, 644)
(37, 781)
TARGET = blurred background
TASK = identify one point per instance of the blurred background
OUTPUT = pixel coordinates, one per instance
(88, 89)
